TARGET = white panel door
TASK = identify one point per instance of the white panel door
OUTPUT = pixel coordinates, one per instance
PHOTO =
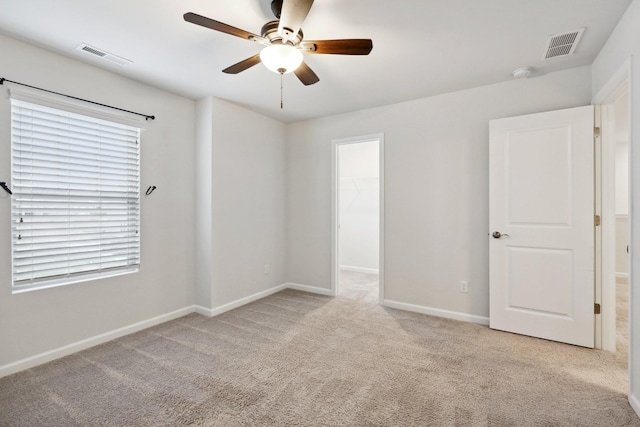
(542, 225)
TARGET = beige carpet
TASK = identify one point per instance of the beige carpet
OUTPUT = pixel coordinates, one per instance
(622, 316)
(358, 286)
(297, 359)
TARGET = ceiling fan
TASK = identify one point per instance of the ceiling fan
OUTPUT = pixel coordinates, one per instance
(284, 41)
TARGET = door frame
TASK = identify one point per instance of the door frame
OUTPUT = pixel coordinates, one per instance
(335, 242)
(605, 207)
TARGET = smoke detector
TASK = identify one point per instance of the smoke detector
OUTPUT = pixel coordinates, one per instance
(521, 73)
(563, 44)
(99, 53)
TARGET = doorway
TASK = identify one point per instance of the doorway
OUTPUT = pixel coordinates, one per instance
(358, 218)
(621, 138)
(614, 113)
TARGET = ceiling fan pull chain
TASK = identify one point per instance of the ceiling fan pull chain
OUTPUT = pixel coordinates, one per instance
(281, 102)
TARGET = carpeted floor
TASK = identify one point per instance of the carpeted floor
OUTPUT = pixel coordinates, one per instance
(622, 316)
(363, 287)
(297, 359)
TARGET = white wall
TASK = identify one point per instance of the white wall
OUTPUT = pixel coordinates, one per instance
(241, 201)
(436, 187)
(359, 206)
(35, 322)
(624, 45)
(203, 214)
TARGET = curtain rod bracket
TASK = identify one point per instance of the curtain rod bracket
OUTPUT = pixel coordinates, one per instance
(4, 185)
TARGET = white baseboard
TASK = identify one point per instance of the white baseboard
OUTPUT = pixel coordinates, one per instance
(360, 269)
(66, 350)
(635, 403)
(481, 320)
(240, 302)
(310, 289)
(203, 310)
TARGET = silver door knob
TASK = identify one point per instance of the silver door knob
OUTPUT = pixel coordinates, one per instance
(497, 235)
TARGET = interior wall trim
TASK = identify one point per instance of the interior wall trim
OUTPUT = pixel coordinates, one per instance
(77, 346)
(242, 301)
(455, 315)
(203, 310)
(66, 350)
(310, 289)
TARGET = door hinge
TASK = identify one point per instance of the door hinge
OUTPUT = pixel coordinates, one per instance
(596, 308)
(596, 132)
(596, 220)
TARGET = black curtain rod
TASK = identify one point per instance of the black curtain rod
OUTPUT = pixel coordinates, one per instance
(147, 117)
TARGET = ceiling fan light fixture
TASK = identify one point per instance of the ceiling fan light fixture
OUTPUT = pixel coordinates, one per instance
(281, 58)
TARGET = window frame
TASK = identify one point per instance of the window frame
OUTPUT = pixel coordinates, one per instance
(90, 112)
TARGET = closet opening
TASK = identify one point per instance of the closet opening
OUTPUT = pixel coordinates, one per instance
(358, 231)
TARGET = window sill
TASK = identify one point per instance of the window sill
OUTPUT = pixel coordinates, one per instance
(70, 280)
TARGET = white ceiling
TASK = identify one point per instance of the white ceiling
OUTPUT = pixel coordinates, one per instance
(420, 47)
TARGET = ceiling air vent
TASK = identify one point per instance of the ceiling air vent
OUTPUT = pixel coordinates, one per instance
(103, 55)
(561, 45)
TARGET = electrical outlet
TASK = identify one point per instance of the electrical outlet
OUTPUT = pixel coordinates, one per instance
(464, 286)
(266, 269)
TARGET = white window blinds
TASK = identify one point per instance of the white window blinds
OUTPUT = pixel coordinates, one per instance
(76, 196)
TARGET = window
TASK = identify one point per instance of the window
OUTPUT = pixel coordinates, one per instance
(75, 208)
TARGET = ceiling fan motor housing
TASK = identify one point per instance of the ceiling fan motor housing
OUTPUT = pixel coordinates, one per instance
(270, 32)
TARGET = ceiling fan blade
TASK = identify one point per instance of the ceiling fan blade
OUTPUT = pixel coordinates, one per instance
(337, 47)
(243, 65)
(203, 21)
(293, 14)
(306, 75)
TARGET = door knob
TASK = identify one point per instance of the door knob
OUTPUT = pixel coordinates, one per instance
(497, 235)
